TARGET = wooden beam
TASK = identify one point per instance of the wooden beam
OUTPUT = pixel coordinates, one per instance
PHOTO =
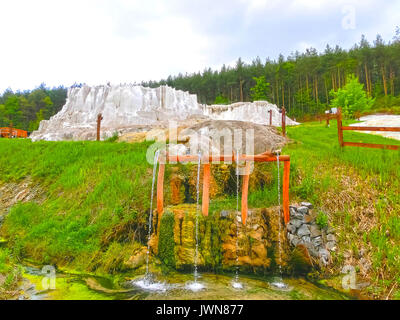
(245, 191)
(160, 191)
(286, 179)
(383, 129)
(284, 121)
(206, 188)
(370, 145)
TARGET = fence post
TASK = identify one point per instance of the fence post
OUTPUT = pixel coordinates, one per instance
(245, 190)
(270, 117)
(284, 121)
(99, 118)
(340, 127)
(206, 188)
(286, 178)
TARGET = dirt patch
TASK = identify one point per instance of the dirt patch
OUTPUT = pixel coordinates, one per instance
(13, 192)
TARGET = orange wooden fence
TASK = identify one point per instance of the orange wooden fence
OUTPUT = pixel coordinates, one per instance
(342, 128)
(266, 157)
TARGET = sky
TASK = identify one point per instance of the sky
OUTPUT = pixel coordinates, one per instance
(124, 41)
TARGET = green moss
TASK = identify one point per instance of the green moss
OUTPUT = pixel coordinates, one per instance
(166, 243)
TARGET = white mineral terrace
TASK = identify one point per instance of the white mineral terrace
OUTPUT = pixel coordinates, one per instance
(125, 107)
(381, 121)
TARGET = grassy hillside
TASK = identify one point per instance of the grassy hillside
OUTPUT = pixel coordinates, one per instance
(97, 200)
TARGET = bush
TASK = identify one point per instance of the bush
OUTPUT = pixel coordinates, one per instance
(352, 98)
(322, 220)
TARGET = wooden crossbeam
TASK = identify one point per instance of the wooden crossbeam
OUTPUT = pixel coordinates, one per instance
(383, 129)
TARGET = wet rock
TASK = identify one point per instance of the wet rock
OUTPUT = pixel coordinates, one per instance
(303, 231)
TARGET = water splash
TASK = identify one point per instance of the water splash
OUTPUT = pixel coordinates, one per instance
(195, 286)
(156, 156)
(235, 283)
(149, 284)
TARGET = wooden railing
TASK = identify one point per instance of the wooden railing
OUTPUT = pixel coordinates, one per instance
(206, 161)
(342, 128)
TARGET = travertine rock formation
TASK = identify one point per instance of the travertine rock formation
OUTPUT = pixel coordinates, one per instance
(132, 108)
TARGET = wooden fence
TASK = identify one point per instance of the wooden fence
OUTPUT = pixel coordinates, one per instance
(342, 128)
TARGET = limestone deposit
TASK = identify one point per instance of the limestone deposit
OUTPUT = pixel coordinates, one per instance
(135, 109)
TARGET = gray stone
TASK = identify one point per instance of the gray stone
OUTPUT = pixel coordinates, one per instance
(307, 204)
(312, 250)
(297, 223)
(291, 228)
(306, 239)
(324, 256)
(295, 241)
(303, 210)
(315, 231)
(303, 231)
(317, 241)
(331, 237)
(331, 245)
(224, 214)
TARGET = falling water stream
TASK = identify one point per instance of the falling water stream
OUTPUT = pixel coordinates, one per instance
(235, 283)
(148, 282)
(279, 283)
(195, 285)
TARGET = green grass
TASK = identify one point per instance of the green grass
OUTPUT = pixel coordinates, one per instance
(97, 196)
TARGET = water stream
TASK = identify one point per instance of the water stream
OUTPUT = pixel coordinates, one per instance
(195, 285)
(148, 282)
(236, 283)
(279, 281)
(89, 287)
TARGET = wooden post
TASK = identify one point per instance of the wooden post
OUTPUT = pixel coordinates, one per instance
(284, 121)
(99, 118)
(206, 188)
(286, 178)
(327, 120)
(270, 117)
(340, 127)
(160, 191)
(245, 192)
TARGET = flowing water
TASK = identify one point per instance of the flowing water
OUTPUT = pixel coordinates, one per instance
(148, 282)
(88, 287)
(236, 283)
(195, 285)
(279, 281)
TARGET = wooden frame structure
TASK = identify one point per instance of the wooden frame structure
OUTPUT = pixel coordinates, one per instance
(342, 128)
(265, 157)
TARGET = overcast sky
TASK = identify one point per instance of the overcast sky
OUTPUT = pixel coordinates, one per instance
(63, 42)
